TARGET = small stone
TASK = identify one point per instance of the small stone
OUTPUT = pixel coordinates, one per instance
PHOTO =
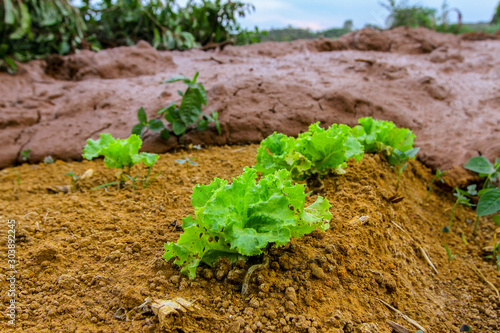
(264, 287)
(174, 279)
(65, 281)
(271, 314)
(291, 295)
(317, 271)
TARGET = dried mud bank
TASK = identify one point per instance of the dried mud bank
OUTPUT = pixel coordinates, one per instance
(443, 87)
(84, 255)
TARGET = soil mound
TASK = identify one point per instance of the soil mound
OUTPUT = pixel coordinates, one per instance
(86, 258)
(442, 87)
(119, 62)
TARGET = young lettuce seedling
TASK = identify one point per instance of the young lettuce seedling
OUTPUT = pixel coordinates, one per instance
(438, 176)
(239, 220)
(463, 197)
(120, 154)
(400, 160)
(314, 153)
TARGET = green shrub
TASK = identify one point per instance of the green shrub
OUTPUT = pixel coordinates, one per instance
(32, 29)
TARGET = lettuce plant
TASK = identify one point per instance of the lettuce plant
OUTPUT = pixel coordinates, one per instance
(120, 154)
(315, 152)
(239, 220)
(383, 136)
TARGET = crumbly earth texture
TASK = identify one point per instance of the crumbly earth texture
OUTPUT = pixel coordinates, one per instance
(86, 257)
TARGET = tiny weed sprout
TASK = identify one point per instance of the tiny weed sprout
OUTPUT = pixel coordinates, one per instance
(186, 160)
(48, 160)
(74, 180)
(465, 328)
(25, 154)
(182, 117)
(400, 161)
(313, 154)
(448, 251)
(240, 220)
(119, 154)
(438, 176)
(463, 197)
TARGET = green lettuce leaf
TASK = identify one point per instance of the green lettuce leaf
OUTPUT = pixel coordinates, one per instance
(118, 153)
(241, 219)
(317, 151)
(382, 136)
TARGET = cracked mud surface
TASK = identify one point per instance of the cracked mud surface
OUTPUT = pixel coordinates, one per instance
(443, 87)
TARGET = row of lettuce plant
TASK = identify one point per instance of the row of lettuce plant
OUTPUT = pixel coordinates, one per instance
(241, 219)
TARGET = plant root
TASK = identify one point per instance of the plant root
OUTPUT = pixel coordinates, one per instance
(478, 272)
(246, 280)
(420, 247)
(405, 317)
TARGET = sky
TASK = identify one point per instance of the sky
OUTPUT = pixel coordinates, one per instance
(324, 14)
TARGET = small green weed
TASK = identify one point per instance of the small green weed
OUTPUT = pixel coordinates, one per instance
(400, 161)
(182, 117)
(25, 154)
(438, 176)
(463, 197)
(448, 251)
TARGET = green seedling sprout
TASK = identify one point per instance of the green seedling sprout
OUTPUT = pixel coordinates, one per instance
(465, 328)
(187, 161)
(48, 160)
(489, 200)
(400, 161)
(463, 197)
(448, 251)
(438, 176)
(119, 154)
(25, 154)
(74, 180)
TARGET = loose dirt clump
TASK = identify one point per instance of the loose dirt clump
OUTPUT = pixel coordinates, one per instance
(87, 257)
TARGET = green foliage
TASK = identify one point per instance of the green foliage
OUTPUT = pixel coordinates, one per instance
(32, 29)
(163, 23)
(121, 154)
(239, 220)
(463, 197)
(290, 33)
(402, 14)
(183, 116)
(383, 136)
(465, 328)
(400, 160)
(438, 176)
(25, 154)
(485, 168)
(316, 152)
(489, 200)
(448, 251)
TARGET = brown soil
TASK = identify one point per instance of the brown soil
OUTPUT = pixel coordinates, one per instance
(84, 255)
(444, 87)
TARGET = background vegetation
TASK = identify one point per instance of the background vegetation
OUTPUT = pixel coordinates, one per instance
(32, 29)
